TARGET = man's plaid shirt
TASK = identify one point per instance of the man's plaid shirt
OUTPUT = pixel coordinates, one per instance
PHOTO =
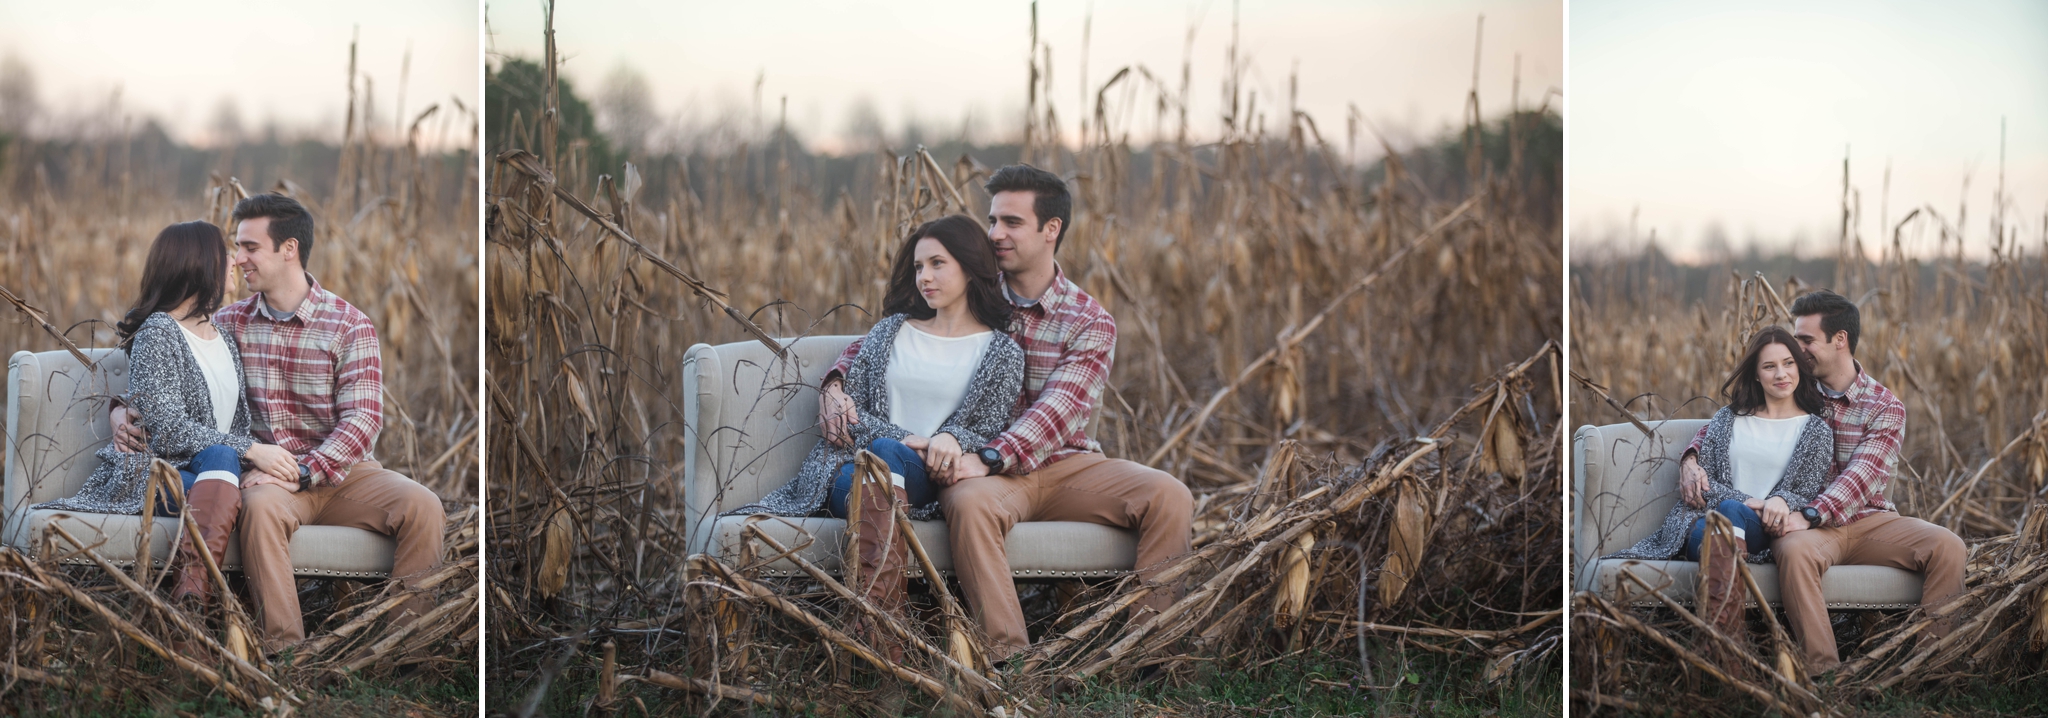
(316, 379)
(1069, 343)
(1870, 427)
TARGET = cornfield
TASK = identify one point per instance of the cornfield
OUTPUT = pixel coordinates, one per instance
(396, 238)
(1960, 339)
(1356, 372)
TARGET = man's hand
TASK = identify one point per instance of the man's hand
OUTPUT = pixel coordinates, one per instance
(258, 477)
(273, 459)
(970, 467)
(1793, 523)
(1692, 482)
(836, 413)
(128, 435)
(942, 459)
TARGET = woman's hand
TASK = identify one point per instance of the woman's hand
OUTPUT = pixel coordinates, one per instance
(274, 460)
(942, 459)
(1774, 513)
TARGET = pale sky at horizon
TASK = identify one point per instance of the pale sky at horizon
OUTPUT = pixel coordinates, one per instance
(1740, 112)
(1406, 64)
(282, 61)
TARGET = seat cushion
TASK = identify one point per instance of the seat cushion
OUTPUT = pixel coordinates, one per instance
(1038, 549)
(336, 551)
(1844, 586)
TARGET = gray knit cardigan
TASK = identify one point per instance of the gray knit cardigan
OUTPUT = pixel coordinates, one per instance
(984, 412)
(1806, 475)
(168, 391)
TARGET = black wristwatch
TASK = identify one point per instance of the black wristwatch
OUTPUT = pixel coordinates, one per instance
(991, 458)
(305, 477)
(1812, 517)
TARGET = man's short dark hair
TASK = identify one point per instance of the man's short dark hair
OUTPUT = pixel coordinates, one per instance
(1050, 198)
(1837, 314)
(288, 220)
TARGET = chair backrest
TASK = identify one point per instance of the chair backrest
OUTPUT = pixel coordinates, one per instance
(1623, 483)
(750, 418)
(56, 419)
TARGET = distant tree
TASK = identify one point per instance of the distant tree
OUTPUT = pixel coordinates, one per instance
(518, 87)
(625, 110)
(226, 126)
(864, 130)
(19, 105)
(1714, 244)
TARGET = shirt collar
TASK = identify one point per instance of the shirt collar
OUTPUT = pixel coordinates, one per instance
(1857, 389)
(1054, 296)
(305, 310)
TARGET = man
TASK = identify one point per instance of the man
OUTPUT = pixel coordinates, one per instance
(316, 388)
(1045, 467)
(1851, 522)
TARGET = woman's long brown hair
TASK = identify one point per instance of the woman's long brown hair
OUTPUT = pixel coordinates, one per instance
(1745, 394)
(187, 260)
(965, 239)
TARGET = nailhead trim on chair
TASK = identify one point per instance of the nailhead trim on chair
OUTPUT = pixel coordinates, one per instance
(322, 573)
(1028, 573)
(1781, 604)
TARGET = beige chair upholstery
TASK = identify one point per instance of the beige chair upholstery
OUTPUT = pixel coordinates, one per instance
(751, 418)
(1623, 484)
(57, 418)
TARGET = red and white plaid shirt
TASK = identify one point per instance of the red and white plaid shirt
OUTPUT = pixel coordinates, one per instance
(316, 379)
(1870, 427)
(1069, 342)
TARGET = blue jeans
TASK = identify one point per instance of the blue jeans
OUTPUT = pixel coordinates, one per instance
(902, 460)
(219, 457)
(1743, 517)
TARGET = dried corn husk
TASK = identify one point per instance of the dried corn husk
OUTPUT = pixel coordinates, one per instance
(1293, 591)
(1404, 541)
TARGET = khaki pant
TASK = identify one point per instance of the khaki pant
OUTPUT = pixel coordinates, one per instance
(371, 498)
(1088, 487)
(1878, 540)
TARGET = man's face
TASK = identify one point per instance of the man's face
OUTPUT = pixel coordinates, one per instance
(1013, 226)
(262, 265)
(1826, 350)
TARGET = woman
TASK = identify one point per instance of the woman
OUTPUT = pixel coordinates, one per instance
(936, 377)
(185, 383)
(1767, 454)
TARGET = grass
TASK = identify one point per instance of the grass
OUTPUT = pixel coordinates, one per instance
(1428, 684)
(1431, 684)
(407, 698)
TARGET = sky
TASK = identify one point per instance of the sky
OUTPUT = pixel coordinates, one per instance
(1739, 114)
(285, 62)
(1406, 64)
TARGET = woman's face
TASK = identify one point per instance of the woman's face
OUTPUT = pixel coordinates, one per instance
(939, 278)
(1776, 371)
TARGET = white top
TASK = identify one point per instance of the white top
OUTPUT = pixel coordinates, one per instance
(217, 367)
(1760, 450)
(928, 376)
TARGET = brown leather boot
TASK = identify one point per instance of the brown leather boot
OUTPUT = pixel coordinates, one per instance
(883, 553)
(215, 506)
(1719, 596)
